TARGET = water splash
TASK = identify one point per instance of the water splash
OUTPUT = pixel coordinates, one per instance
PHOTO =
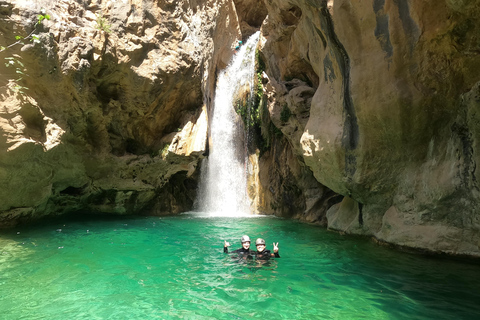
(224, 181)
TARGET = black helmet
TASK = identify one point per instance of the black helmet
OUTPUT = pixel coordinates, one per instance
(245, 239)
(259, 241)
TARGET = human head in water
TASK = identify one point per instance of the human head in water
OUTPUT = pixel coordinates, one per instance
(260, 243)
(245, 242)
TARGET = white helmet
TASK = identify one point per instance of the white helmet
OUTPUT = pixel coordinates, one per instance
(259, 241)
(245, 239)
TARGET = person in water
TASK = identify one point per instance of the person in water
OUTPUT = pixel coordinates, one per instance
(245, 249)
(263, 254)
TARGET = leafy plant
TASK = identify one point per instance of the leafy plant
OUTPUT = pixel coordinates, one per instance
(42, 17)
(31, 36)
(14, 62)
(102, 24)
(164, 151)
(261, 132)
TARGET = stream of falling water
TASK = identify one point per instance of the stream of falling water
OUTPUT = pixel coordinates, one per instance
(223, 186)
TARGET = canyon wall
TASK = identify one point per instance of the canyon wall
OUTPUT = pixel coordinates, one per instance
(382, 105)
(111, 115)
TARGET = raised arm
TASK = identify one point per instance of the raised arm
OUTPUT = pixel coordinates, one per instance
(275, 250)
(225, 246)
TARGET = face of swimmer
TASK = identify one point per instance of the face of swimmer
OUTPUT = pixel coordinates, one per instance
(260, 247)
(246, 245)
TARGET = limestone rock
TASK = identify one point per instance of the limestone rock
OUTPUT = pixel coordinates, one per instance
(392, 121)
(112, 117)
(251, 14)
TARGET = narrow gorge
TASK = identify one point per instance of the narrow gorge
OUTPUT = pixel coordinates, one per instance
(365, 117)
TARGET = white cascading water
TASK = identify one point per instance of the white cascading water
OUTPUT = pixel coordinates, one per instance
(223, 188)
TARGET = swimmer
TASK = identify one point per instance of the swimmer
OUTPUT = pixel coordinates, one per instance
(245, 249)
(263, 254)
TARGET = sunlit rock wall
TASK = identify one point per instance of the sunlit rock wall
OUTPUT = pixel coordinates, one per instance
(110, 119)
(383, 97)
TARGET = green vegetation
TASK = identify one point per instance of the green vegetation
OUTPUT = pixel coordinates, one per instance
(260, 62)
(14, 62)
(255, 114)
(250, 108)
(102, 24)
(31, 36)
(164, 151)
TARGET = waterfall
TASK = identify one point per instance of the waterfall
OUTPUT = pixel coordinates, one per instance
(223, 186)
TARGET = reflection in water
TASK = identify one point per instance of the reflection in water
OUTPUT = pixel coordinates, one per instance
(251, 262)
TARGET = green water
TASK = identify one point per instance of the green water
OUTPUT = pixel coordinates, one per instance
(175, 268)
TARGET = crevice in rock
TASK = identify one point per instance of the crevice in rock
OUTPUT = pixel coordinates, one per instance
(322, 37)
(72, 191)
(350, 127)
(178, 195)
(328, 199)
(466, 153)
(134, 147)
(360, 213)
(303, 71)
(251, 14)
(382, 32)
(107, 91)
(334, 199)
(291, 16)
(409, 27)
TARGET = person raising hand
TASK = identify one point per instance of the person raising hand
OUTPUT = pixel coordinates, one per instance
(263, 254)
(245, 249)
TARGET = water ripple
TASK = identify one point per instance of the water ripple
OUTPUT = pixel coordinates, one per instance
(175, 268)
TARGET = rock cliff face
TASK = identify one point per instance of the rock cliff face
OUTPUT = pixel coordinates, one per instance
(112, 116)
(369, 112)
(384, 103)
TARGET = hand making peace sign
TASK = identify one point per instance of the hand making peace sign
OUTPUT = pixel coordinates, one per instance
(275, 247)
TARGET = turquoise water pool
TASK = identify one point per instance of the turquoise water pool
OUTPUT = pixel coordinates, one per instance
(175, 268)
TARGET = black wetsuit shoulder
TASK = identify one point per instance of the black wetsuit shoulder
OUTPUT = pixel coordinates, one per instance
(266, 254)
(241, 250)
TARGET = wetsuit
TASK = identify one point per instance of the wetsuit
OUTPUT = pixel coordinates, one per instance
(265, 254)
(241, 250)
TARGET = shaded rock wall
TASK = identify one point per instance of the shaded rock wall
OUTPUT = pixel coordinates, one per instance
(279, 183)
(384, 97)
